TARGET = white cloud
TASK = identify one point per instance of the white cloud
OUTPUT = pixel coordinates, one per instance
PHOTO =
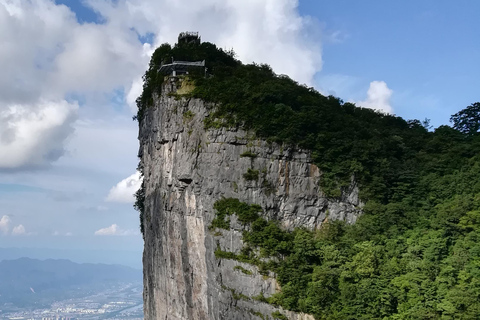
(34, 122)
(114, 230)
(46, 52)
(64, 234)
(124, 190)
(98, 58)
(32, 34)
(47, 58)
(378, 97)
(34, 135)
(134, 92)
(108, 231)
(5, 224)
(57, 74)
(19, 230)
(264, 31)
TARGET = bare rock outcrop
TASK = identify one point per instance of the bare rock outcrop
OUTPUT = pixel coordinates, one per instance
(187, 169)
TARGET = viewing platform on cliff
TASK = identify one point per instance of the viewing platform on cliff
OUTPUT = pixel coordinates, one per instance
(180, 67)
(177, 68)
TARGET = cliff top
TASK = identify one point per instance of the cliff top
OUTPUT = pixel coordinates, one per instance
(413, 254)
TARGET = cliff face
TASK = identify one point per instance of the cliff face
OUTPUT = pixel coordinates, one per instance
(187, 169)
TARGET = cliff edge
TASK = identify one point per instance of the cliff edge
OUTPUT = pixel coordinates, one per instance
(186, 170)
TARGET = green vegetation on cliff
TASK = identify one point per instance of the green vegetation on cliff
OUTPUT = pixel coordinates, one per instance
(413, 254)
(385, 154)
(431, 271)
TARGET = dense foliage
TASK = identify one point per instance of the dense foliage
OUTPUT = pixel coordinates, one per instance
(467, 120)
(383, 152)
(153, 79)
(415, 252)
(431, 271)
(225, 208)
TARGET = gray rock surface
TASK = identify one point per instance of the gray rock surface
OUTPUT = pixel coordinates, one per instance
(187, 169)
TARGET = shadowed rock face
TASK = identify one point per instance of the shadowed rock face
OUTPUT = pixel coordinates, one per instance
(187, 169)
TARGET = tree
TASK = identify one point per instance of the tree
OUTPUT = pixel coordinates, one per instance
(467, 120)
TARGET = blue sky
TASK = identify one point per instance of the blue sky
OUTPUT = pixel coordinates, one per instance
(83, 13)
(426, 51)
(71, 71)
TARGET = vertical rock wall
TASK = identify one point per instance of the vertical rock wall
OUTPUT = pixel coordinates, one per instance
(187, 169)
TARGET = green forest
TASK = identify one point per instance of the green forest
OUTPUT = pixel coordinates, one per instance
(415, 251)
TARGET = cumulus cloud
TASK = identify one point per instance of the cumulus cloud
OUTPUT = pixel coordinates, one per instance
(34, 135)
(19, 230)
(46, 52)
(98, 58)
(34, 122)
(134, 92)
(114, 230)
(54, 70)
(264, 31)
(47, 57)
(5, 224)
(32, 33)
(124, 191)
(378, 97)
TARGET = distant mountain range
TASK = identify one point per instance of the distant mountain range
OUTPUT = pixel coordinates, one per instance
(25, 281)
(131, 258)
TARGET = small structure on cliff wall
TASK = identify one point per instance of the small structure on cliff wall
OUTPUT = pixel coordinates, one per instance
(189, 37)
(177, 68)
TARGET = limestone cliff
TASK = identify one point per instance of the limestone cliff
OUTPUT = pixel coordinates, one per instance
(187, 169)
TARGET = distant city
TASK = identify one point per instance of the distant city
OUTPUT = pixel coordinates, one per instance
(32, 289)
(120, 303)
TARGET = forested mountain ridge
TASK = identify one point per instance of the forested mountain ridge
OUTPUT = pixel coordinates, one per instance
(415, 251)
